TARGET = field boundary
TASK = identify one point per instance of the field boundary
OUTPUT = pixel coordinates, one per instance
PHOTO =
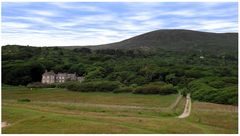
(173, 105)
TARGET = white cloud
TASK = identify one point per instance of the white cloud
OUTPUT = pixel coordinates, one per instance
(14, 25)
(42, 13)
(72, 6)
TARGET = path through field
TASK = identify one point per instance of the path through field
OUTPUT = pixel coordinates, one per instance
(4, 124)
(60, 111)
(187, 109)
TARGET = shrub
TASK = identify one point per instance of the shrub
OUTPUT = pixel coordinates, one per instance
(217, 84)
(24, 100)
(40, 85)
(215, 90)
(184, 91)
(156, 88)
(63, 85)
(124, 90)
(92, 86)
(133, 85)
(232, 80)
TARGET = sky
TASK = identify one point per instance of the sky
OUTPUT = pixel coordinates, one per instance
(83, 23)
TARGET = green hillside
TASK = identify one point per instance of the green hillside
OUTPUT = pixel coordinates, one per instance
(177, 40)
(208, 75)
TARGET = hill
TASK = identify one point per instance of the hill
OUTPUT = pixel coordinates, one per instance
(176, 40)
(210, 77)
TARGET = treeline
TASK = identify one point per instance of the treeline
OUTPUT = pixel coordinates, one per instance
(20, 73)
(223, 90)
(110, 86)
(133, 69)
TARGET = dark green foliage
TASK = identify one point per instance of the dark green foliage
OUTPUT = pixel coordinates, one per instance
(124, 90)
(83, 50)
(137, 68)
(78, 69)
(215, 89)
(179, 40)
(93, 86)
(22, 73)
(184, 91)
(24, 100)
(40, 85)
(96, 73)
(156, 88)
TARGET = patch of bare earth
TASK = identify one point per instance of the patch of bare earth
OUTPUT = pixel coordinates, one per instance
(4, 124)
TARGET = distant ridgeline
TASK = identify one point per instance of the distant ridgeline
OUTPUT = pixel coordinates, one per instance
(176, 40)
(205, 64)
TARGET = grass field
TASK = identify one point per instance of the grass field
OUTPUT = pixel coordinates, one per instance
(61, 111)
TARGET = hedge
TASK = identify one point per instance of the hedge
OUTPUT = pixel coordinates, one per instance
(40, 85)
(161, 88)
(93, 86)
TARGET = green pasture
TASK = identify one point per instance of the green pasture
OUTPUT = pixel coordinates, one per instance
(58, 111)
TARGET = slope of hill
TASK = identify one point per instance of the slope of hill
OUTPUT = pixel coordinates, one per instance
(210, 77)
(177, 40)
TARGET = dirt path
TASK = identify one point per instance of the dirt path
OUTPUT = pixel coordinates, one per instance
(4, 124)
(187, 109)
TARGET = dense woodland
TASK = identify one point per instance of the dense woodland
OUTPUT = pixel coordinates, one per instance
(209, 77)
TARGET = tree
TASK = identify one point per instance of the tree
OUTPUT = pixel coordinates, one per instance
(171, 78)
(77, 68)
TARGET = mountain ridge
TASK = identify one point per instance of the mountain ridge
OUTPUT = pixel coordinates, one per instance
(175, 40)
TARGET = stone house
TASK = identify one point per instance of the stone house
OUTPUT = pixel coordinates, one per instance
(48, 77)
(51, 77)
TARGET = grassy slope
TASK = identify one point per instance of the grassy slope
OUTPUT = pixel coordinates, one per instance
(87, 97)
(171, 39)
(53, 117)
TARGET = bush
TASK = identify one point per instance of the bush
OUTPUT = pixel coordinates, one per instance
(124, 90)
(63, 85)
(232, 80)
(24, 100)
(184, 91)
(217, 84)
(93, 86)
(40, 85)
(214, 90)
(156, 88)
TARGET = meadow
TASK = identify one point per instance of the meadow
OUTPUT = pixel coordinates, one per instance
(59, 111)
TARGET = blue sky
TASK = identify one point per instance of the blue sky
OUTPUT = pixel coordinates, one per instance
(82, 23)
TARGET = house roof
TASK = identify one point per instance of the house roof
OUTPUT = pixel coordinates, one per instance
(48, 73)
(59, 74)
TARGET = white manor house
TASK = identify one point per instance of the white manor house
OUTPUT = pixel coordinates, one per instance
(50, 77)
